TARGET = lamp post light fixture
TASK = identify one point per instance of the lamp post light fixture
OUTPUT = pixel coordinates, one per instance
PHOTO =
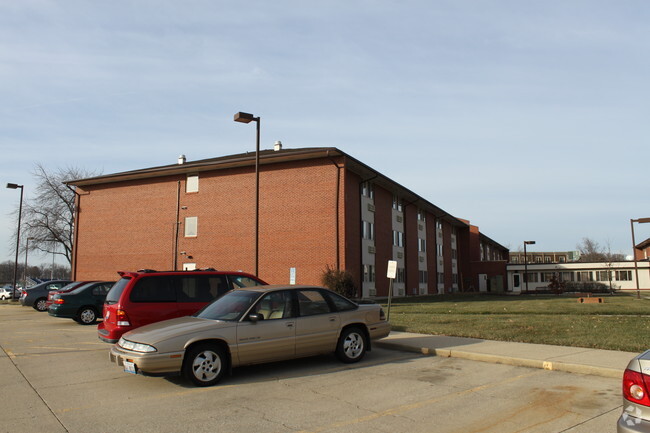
(248, 118)
(636, 269)
(20, 214)
(526, 262)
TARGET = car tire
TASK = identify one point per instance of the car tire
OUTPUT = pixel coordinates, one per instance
(352, 345)
(86, 316)
(40, 304)
(205, 364)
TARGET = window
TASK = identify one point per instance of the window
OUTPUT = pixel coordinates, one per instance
(424, 277)
(275, 305)
(154, 289)
(515, 259)
(191, 227)
(368, 230)
(439, 250)
(340, 303)
(602, 275)
(421, 215)
(367, 190)
(548, 259)
(538, 259)
(454, 278)
(422, 245)
(401, 275)
(562, 259)
(312, 302)
(192, 183)
(454, 254)
(584, 276)
(623, 275)
(547, 277)
(531, 277)
(368, 274)
(195, 289)
(398, 238)
(566, 276)
(441, 277)
(397, 203)
(240, 281)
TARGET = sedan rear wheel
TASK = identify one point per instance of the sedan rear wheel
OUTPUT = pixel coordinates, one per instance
(352, 345)
(40, 304)
(205, 364)
(87, 316)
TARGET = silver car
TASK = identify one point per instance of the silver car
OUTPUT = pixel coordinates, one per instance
(636, 399)
(251, 326)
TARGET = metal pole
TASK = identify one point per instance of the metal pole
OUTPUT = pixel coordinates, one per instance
(525, 267)
(636, 269)
(25, 268)
(20, 215)
(257, 198)
(390, 297)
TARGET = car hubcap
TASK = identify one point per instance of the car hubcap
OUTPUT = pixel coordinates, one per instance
(40, 305)
(206, 366)
(353, 345)
(87, 316)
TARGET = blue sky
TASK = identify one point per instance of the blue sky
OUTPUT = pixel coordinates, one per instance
(526, 118)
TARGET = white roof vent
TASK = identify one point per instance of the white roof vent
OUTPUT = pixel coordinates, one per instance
(181, 160)
(277, 146)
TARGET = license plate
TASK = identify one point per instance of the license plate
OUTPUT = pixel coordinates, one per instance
(129, 367)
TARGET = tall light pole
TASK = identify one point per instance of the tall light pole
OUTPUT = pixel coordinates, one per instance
(526, 262)
(636, 269)
(247, 118)
(20, 214)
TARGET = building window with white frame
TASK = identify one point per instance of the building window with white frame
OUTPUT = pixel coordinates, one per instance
(421, 215)
(424, 277)
(603, 275)
(191, 227)
(367, 190)
(397, 203)
(584, 276)
(368, 230)
(401, 275)
(623, 275)
(368, 274)
(192, 183)
(422, 245)
(398, 238)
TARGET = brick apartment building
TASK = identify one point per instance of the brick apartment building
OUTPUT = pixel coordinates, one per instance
(318, 208)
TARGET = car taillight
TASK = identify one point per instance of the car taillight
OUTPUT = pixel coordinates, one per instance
(121, 318)
(635, 387)
(382, 315)
(59, 301)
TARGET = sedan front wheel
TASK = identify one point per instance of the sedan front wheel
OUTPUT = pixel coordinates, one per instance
(204, 364)
(87, 316)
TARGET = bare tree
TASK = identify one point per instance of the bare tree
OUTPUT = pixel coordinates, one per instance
(591, 251)
(49, 216)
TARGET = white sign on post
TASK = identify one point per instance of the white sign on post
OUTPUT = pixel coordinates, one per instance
(392, 269)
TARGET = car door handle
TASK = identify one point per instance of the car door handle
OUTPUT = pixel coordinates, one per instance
(333, 319)
(290, 324)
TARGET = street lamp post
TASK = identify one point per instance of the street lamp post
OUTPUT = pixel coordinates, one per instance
(636, 269)
(526, 262)
(247, 118)
(20, 214)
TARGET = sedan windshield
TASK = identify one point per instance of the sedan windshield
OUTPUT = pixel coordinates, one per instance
(229, 307)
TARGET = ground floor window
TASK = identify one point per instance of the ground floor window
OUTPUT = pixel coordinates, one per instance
(368, 274)
(623, 275)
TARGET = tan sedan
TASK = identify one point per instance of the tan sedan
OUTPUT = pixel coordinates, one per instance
(251, 326)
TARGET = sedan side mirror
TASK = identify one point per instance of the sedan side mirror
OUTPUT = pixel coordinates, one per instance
(255, 317)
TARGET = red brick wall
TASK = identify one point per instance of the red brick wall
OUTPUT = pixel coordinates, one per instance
(383, 238)
(130, 225)
(411, 250)
(352, 237)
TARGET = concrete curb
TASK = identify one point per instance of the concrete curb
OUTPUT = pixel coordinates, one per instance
(504, 359)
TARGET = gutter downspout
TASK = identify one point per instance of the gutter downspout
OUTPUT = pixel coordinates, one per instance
(337, 208)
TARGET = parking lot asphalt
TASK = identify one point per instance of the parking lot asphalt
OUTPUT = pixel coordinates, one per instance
(53, 370)
(604, 363)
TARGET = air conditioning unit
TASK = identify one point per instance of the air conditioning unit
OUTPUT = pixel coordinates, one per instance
(400, 292)
(371, 249)
(400, 255)
(372, 292)
(371, 207)
(423, 291)
(421, 259)
(399, 218)
(420, 227)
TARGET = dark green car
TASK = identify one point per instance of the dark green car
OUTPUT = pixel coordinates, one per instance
(83, 304)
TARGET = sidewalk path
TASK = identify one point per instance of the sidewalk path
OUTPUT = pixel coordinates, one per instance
(606, 363)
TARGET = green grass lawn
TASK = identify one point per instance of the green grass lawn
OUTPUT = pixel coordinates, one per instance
(620, 323)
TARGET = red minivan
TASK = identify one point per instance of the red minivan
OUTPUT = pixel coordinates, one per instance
(148, 296)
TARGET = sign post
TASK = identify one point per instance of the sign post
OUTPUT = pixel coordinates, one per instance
(391, 273)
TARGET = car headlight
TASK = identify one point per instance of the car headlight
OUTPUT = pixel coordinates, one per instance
(135, 347)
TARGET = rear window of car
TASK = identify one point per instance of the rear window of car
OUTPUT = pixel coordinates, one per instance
(154, 289)
(341, 303)
(115, 293)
